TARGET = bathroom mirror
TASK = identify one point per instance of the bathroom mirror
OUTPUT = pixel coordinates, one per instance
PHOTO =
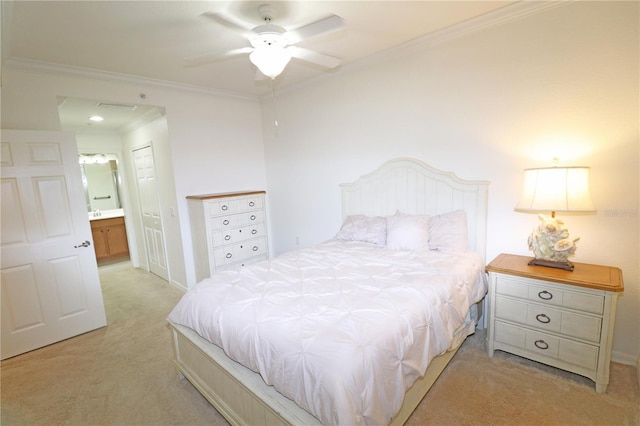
(101, 181)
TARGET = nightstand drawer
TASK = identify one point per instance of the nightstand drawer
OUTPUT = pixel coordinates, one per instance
(542, 292)
(542, 344)
(549, 319)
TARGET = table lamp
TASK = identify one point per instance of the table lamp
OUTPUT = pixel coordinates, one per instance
(554, 189)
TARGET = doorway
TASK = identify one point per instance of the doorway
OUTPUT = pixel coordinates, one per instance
(105, 129)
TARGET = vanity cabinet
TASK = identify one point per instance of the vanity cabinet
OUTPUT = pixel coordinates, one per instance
(228, 230)
(109, 238)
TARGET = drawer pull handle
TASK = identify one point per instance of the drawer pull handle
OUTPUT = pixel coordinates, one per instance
(224, 207)
(543, 318)
(253, 217)
(541, 344)
(255, 248)
(254, 231)
(225, 222)
(545, 295)
(229, 255)
(251, 204)
(227, 237)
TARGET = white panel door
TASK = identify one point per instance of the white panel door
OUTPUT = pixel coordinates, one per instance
(49, 275)
(150, 210)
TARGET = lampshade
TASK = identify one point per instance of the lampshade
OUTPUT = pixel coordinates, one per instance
(556, 189)
(270, 59)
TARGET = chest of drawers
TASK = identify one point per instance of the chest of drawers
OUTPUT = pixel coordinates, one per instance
(228, 230)
(556, 317)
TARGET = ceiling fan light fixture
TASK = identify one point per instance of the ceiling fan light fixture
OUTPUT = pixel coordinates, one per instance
(270, 59)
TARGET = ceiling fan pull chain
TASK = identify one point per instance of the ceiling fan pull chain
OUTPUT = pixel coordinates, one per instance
(275, 112)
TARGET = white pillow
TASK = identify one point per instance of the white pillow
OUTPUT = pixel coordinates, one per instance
(407, 232)
(448, 231)
(364, 228)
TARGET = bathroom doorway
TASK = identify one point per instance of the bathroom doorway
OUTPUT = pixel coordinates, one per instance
(103, 132)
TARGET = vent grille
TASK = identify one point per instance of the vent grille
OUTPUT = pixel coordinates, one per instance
(117, 106)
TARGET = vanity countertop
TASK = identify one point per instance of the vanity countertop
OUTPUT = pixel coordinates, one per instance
(105, 214)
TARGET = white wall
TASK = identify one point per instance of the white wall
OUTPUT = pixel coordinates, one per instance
(562, 83)
(214, 142)
(156, 135)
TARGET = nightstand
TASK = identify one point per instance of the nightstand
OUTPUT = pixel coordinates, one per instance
(560, 318)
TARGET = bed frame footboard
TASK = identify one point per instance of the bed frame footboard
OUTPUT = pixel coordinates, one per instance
(243, 398)
(238, 393)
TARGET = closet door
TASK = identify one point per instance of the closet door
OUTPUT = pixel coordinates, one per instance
(147, 185)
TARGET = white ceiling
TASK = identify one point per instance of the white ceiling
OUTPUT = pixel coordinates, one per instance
(150, 39)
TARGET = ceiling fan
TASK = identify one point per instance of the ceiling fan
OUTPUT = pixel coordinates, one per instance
(272, 46)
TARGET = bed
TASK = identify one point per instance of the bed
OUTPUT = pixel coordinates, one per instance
(356, 329)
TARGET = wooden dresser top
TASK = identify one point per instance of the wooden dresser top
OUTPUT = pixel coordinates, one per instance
(598, 277)
(223, 195)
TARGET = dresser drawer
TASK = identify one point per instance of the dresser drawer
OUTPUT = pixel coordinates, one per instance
(238, 252)
(236, 220)
(235, 266)
(235, 235)
(546, 345)
(548, 318)
(543, 292)
(235, 205)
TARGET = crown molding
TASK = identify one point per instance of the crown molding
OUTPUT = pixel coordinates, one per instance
(49, 68)
(511, 12)
(503, 15)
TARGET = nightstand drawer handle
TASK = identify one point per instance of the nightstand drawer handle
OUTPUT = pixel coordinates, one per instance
(543, 318)
(541, 344)
(545, 295)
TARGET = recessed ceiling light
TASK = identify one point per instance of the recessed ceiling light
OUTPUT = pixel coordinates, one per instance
(96, 118)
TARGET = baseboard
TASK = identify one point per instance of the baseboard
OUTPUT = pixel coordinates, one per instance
(178, 286)
(624, 358)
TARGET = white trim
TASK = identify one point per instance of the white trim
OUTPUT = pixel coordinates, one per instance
(94, 74)
(511, 12)
(626, 359)
(517, 10)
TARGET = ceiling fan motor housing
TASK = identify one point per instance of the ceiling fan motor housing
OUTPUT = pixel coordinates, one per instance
(269, 35)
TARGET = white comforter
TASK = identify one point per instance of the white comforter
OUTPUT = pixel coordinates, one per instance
(343, 328)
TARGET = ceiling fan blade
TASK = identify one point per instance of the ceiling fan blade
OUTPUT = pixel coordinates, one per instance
(323, 26)
(194, 61)
(229, 22)
(314, 57)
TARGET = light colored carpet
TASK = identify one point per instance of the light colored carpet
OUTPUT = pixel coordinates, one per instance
(123, 375)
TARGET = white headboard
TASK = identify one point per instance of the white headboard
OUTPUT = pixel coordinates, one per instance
(413, 187)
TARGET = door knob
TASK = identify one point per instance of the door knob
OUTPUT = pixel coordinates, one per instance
(85, 243)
